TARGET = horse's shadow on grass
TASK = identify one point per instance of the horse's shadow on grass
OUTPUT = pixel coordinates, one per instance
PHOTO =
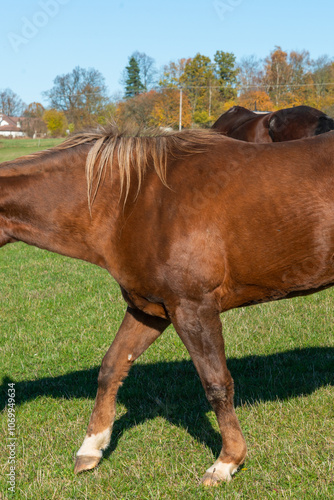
(173, 390)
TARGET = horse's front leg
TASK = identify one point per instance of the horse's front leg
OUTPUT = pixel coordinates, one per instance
(136, 334)
(200, 329)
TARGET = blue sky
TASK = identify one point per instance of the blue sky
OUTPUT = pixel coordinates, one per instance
(44, 38)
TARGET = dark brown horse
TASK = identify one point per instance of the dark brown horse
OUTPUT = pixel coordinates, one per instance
(190, 225)
(283, 125)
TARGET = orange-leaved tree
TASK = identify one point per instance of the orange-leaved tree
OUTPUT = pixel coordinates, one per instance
(136, 111)
(166, 109)
(256, 100)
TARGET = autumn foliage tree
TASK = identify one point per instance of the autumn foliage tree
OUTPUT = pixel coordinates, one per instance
(81, 95)
(206, 83)
(210, 86)
(137, 111)
(277, 73)
(166, 111)
(172, 73)
(288, 79)
(33, 123)
(257, 100)
(56, 122)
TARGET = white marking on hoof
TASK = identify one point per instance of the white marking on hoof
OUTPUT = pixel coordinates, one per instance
(220, 471)
(129, 357)
(94, 444)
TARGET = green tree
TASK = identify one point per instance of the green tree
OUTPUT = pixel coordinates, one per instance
(226, 73)
(108, 114)
(173, 72)
(198, 78)
(133, 84)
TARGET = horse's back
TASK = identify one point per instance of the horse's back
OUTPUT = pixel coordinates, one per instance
(235, 220)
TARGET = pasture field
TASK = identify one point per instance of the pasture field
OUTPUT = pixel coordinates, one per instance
(13, 148)
(58, 318)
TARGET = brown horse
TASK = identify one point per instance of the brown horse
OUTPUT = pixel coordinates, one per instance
(190, 224)
(283, 125)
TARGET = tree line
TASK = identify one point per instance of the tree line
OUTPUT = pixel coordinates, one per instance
(204, 87)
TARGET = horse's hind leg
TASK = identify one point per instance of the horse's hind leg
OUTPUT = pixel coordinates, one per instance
(200, 329)
(136, 334)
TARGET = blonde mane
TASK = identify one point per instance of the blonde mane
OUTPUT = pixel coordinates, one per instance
(135, 153)
(131, 152)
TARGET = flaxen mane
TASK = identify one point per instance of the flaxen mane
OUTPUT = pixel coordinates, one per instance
(137, 152)
(132, 152)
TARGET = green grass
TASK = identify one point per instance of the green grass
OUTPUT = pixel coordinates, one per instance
(58, 318)
(13, 148)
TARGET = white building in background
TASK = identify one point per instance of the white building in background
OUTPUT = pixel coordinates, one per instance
(10, 126)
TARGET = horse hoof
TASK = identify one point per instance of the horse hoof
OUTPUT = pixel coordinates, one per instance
(84, 462)
(219, 472)
(211, 479)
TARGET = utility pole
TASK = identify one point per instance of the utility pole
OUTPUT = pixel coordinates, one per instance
(180, 110)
